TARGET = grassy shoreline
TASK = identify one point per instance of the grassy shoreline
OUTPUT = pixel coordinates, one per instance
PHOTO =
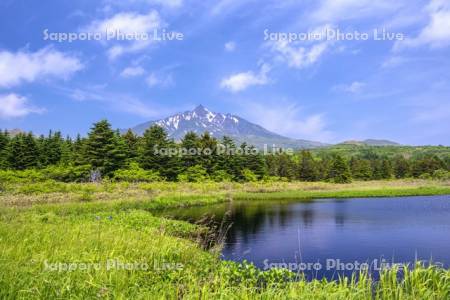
(303, 195)
(47, 223)
(164, 194)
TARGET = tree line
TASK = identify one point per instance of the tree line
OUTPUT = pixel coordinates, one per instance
(130, 157)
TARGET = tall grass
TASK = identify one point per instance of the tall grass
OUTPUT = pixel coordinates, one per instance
(116, 222)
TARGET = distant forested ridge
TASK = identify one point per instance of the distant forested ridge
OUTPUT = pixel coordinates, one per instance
(128, 157)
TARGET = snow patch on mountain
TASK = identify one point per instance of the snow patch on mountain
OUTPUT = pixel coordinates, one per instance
(202, 120)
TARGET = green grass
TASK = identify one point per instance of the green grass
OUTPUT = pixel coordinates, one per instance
(91, 224)
(367, 193)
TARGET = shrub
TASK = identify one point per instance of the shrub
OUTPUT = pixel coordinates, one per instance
(194, 174)
(441, 174)
(249, 176)
(425, 176)
(221, 176)
(30, 175)
(134, 173)
(68, 173)
(48, 186)
(275, 179)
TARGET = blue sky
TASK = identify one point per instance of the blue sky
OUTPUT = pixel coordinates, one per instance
(327, 90)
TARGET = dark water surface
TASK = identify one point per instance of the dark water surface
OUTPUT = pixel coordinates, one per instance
(337, 235)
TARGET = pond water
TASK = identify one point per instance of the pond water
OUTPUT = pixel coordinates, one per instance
(331, 237)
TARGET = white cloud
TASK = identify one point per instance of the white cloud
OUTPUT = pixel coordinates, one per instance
(353, 88)
(159, 80)
(127, 23)
(15, 106)
(296, 55)
(24, 66)
(338, 10)
(241, 81)
(288, 119)
(132, 71)
(222, 7)
(167, 3)
(116, 101)
(230, 46)
(436, 33)
(394, 61)
(172, 4)
(85, 95)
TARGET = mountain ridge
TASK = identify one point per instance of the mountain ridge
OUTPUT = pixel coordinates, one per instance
(371, 142)
(202, 120)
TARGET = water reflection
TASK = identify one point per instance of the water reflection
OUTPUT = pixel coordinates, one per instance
(363, 230)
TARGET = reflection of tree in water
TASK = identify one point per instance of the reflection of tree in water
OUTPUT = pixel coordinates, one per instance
(340, 213)
(307, 215)
(244, 220)
(248, 220)
(283, 215)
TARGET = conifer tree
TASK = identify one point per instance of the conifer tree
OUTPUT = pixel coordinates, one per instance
(228, 160)
(209, 156)
(104, 148)
(427, 165)
(324, 166)
(132, 145)
(281, 165)
(253, 160)
(340, 172)
(55, 145)
(156, 153)
(191, 145)
(360, 168)
(22, 152)
(386, 169)
(50, 149)
(66, 151)
(79, 151)
(307, 169)
(118, 153)
(402, 168)
(377, 166)
(4, 141)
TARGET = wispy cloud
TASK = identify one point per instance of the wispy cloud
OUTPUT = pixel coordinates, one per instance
(339, 10)
(116, 101)
(165, 3)
(230, 46)
(132, 72)
(353, 88)
(25, 66)
(171, 4)
(289, 119)
(162, 80)
(394, 61)
(15, 106)
(222, 7)
(241, 81)
(127, 23)
(300, 54)
(436, 33)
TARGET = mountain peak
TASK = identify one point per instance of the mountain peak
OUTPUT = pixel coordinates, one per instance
(201, 110)
(217, 124)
